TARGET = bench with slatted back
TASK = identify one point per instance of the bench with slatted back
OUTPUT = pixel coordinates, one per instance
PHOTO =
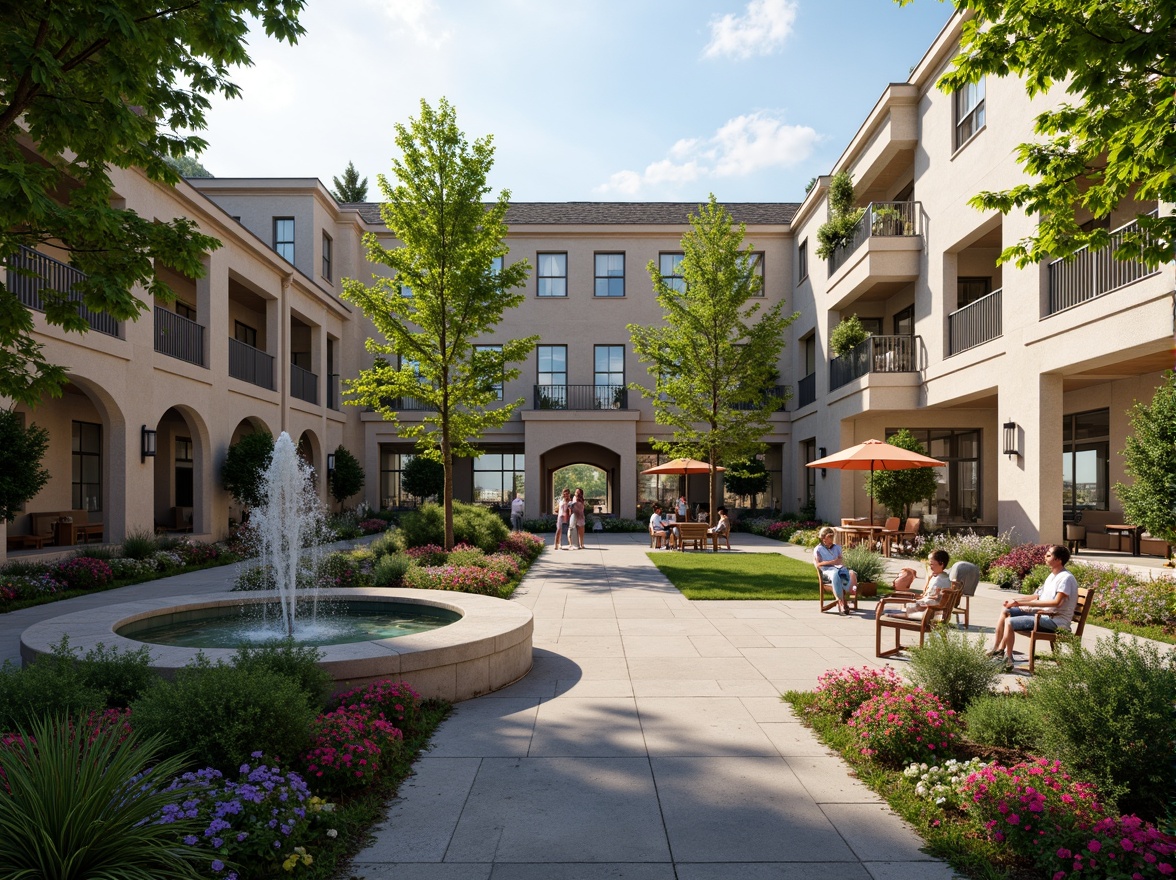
(917, 622)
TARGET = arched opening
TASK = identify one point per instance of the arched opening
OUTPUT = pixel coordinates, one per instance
(589, 466)
(593, 480)
(181, 453)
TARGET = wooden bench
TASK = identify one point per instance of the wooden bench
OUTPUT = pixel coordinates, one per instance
(696, 533)
(44, 525)
(25, 542)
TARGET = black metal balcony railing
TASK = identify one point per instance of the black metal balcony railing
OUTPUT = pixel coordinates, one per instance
(250, 364)
(806, 390)
(975, 323)
(179, 337)
(581, 397)
(1089, 274)
(779, 392)
(46, 273)
(877, 354)
(879, 219)
(303, 384)
(334, 400)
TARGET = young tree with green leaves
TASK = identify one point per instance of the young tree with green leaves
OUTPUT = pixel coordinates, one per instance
(350, 188)
(713, 361)
(348, 477)
(451, 243)
(244, 468)
(1150, 460)
(743, 478)
(21, 451)
(423, 478)
(1112, 143)
(90, 84)
(898, 490)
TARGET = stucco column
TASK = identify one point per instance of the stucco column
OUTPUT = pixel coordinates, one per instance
(1030, 484)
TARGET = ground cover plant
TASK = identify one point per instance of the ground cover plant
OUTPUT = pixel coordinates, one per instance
(738, 576)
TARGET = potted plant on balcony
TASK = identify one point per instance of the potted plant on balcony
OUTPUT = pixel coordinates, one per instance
(847, 335)
(837, 231)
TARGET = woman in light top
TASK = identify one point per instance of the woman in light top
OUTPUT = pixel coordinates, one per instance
(827, 559)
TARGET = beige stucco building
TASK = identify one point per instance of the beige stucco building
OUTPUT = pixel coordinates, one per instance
(962, 346)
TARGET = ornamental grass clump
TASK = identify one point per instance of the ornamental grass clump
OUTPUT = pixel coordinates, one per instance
(461, 578)
(389, 570)
(899, 727)
(1115, 848)
(840, 692)
(1010, 721)
(953, 666)
(348, 749)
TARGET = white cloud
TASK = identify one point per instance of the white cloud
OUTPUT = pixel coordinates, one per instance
(741, 147)
(761, 30)
(417, 18)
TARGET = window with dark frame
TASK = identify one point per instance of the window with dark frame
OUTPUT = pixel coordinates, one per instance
(608, 375)
(969, 111)
(610, 275)
(904, 322)
(86, 455)
(669, 266)
(970, 289)
(284, 237)
(552, 274)
(244, 333)
(958, 497)
(185, 311)
(802, 261)
(808, 449)
(757, 268)
(1086, 453)
(327, 246)
(497, 476)
(185, 488)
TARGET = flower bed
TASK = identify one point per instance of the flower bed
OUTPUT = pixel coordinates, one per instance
(463, 578)
(904, 725)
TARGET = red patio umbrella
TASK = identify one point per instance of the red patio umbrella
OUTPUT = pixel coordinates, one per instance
(872, 455)
(685, 467)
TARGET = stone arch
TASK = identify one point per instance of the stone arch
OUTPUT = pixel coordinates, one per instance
(184, 475)
(593, 454)
(118, 445)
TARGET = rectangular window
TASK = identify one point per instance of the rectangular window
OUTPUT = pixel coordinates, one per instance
(489, 350)
(670, 268)
(495, 265)
(497, 476)
(957, 498)
(802, 261)
(609, 376)
(87, 466)
(1086, 453)
(610, 275)
(968, 290)
(904, 322)
(185, 311)
(757, 268)
(808, 450)
(873, 325)
(327, 243)
(284, 237)
(185, 488)
(553, 274)
(552, 378)
(392, 494)
(969, 112)
(245, 333)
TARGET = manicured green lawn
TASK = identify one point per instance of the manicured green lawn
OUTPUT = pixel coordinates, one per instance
(737, 575)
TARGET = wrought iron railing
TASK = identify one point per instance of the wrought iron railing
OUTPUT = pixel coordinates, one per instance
(1088, 273)
(879, 219)
(179, 337)
(806, 390)
(303, 384)
(581, 397)
(779, 392)
(975, 323)
(877, 354)
(334, 399)
(29, 272)
(250, 364)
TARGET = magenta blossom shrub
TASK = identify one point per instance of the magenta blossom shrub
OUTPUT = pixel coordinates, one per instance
(393, 701)
(83, 573)
(841, 691)
(901, 726)
(373, 526)
(522, 544)
(1023, 559)
(1115, 848)
(427, 554)
(461, 578)
(196, 552)
(348, 749)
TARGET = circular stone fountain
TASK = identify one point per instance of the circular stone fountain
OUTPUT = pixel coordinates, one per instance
(477, 644)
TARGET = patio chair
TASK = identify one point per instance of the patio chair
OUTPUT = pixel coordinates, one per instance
(1085, 600)
(967, 575)
(904, 539)
(655, 541)
(832, 603)
(920, 622)
(889, 528)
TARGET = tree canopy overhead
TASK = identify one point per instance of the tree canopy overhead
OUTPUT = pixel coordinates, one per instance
(1114, 141)
(88, 84)
(446, 294)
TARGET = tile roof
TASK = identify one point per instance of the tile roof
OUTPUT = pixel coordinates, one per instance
(620, 213)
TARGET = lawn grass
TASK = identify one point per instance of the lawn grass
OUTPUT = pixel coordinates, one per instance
(738, 575)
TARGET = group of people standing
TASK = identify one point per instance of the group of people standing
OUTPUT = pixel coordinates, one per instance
(569, 520)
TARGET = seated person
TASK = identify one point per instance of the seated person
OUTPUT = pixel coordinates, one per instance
(827, 559)
(932, 596)
(723, 526)
(1059, 594)
(657, 528)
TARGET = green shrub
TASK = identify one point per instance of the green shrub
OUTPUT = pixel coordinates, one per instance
(389, 570)
(472, 524)
(466, 556)
(384, 545)
(256, 577)
(298, 663)
(1108, 715)
(967, 546)
(870, 566)
(119, 676)
(81, 807)
(50, 687)
(807, 538)
(1032, 582)
(420, 527)
(341, 570)
(139, 545)
(222, 714)
(954, 667)
(1002, 576)
(1007, 720)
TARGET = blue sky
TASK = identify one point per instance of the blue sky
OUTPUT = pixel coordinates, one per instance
(613, 100)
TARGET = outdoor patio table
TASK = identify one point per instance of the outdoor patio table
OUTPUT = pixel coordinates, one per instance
(1122, 529)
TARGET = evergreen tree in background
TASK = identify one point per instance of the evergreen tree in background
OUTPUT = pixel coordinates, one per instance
(350, 188)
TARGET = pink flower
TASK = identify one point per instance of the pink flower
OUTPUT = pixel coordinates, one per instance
(1094, 846)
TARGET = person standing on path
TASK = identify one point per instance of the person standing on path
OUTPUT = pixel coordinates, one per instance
(562, 516)
(578, 510)
(516, 513)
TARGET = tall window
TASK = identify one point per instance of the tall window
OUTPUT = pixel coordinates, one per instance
(670, 267)
(802, 261)
(497, 476)
(552, 274)
(183, 472)
(392, 493)
(957, 499)
(968, 290)
(490, 350)
(284, 237)
(553, 376)
(327, 244)
(757, 268)
(609, 376)
(1086, 452)
(969, 112)
(495, 265)
(610, 275)
(904, 322)
(245, 333)
(87, 466)
(808, 451)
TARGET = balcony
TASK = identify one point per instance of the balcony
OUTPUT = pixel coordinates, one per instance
(179, 337)
(250, 364)
(29, 272)
(334, 398)
(779, 392)
(974, 324)
(877, 354)
(1088, 274)
(882, 255)
(581, 397)
(303, 384)
(806, 390)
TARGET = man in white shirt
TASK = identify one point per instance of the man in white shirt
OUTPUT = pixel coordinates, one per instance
(1059, 594)
(657, 528)
(516, 513)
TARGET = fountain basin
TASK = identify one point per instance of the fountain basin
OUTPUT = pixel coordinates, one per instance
(487, 649)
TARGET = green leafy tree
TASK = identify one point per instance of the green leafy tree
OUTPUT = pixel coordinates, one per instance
(898, 490)
(843, 216)
(1112, 142)
(451, 241)
(85, 86)
(423, 478)
(245, 466)
(1150, 460)
(188, 166)
(348, 476)
(21, 452)
(350, 188)
(714, 358)
(745, 478)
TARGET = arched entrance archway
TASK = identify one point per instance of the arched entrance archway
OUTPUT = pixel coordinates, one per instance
(182, 472)
(577, 462)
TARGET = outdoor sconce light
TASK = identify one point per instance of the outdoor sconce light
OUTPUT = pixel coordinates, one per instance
(1010, 439)
(330, 463)
(147, 445)
(823, 452)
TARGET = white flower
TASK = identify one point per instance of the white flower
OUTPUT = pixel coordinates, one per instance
(332, 833)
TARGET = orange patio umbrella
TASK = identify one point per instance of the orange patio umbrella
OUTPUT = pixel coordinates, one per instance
(872, 455)
(683, 466)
